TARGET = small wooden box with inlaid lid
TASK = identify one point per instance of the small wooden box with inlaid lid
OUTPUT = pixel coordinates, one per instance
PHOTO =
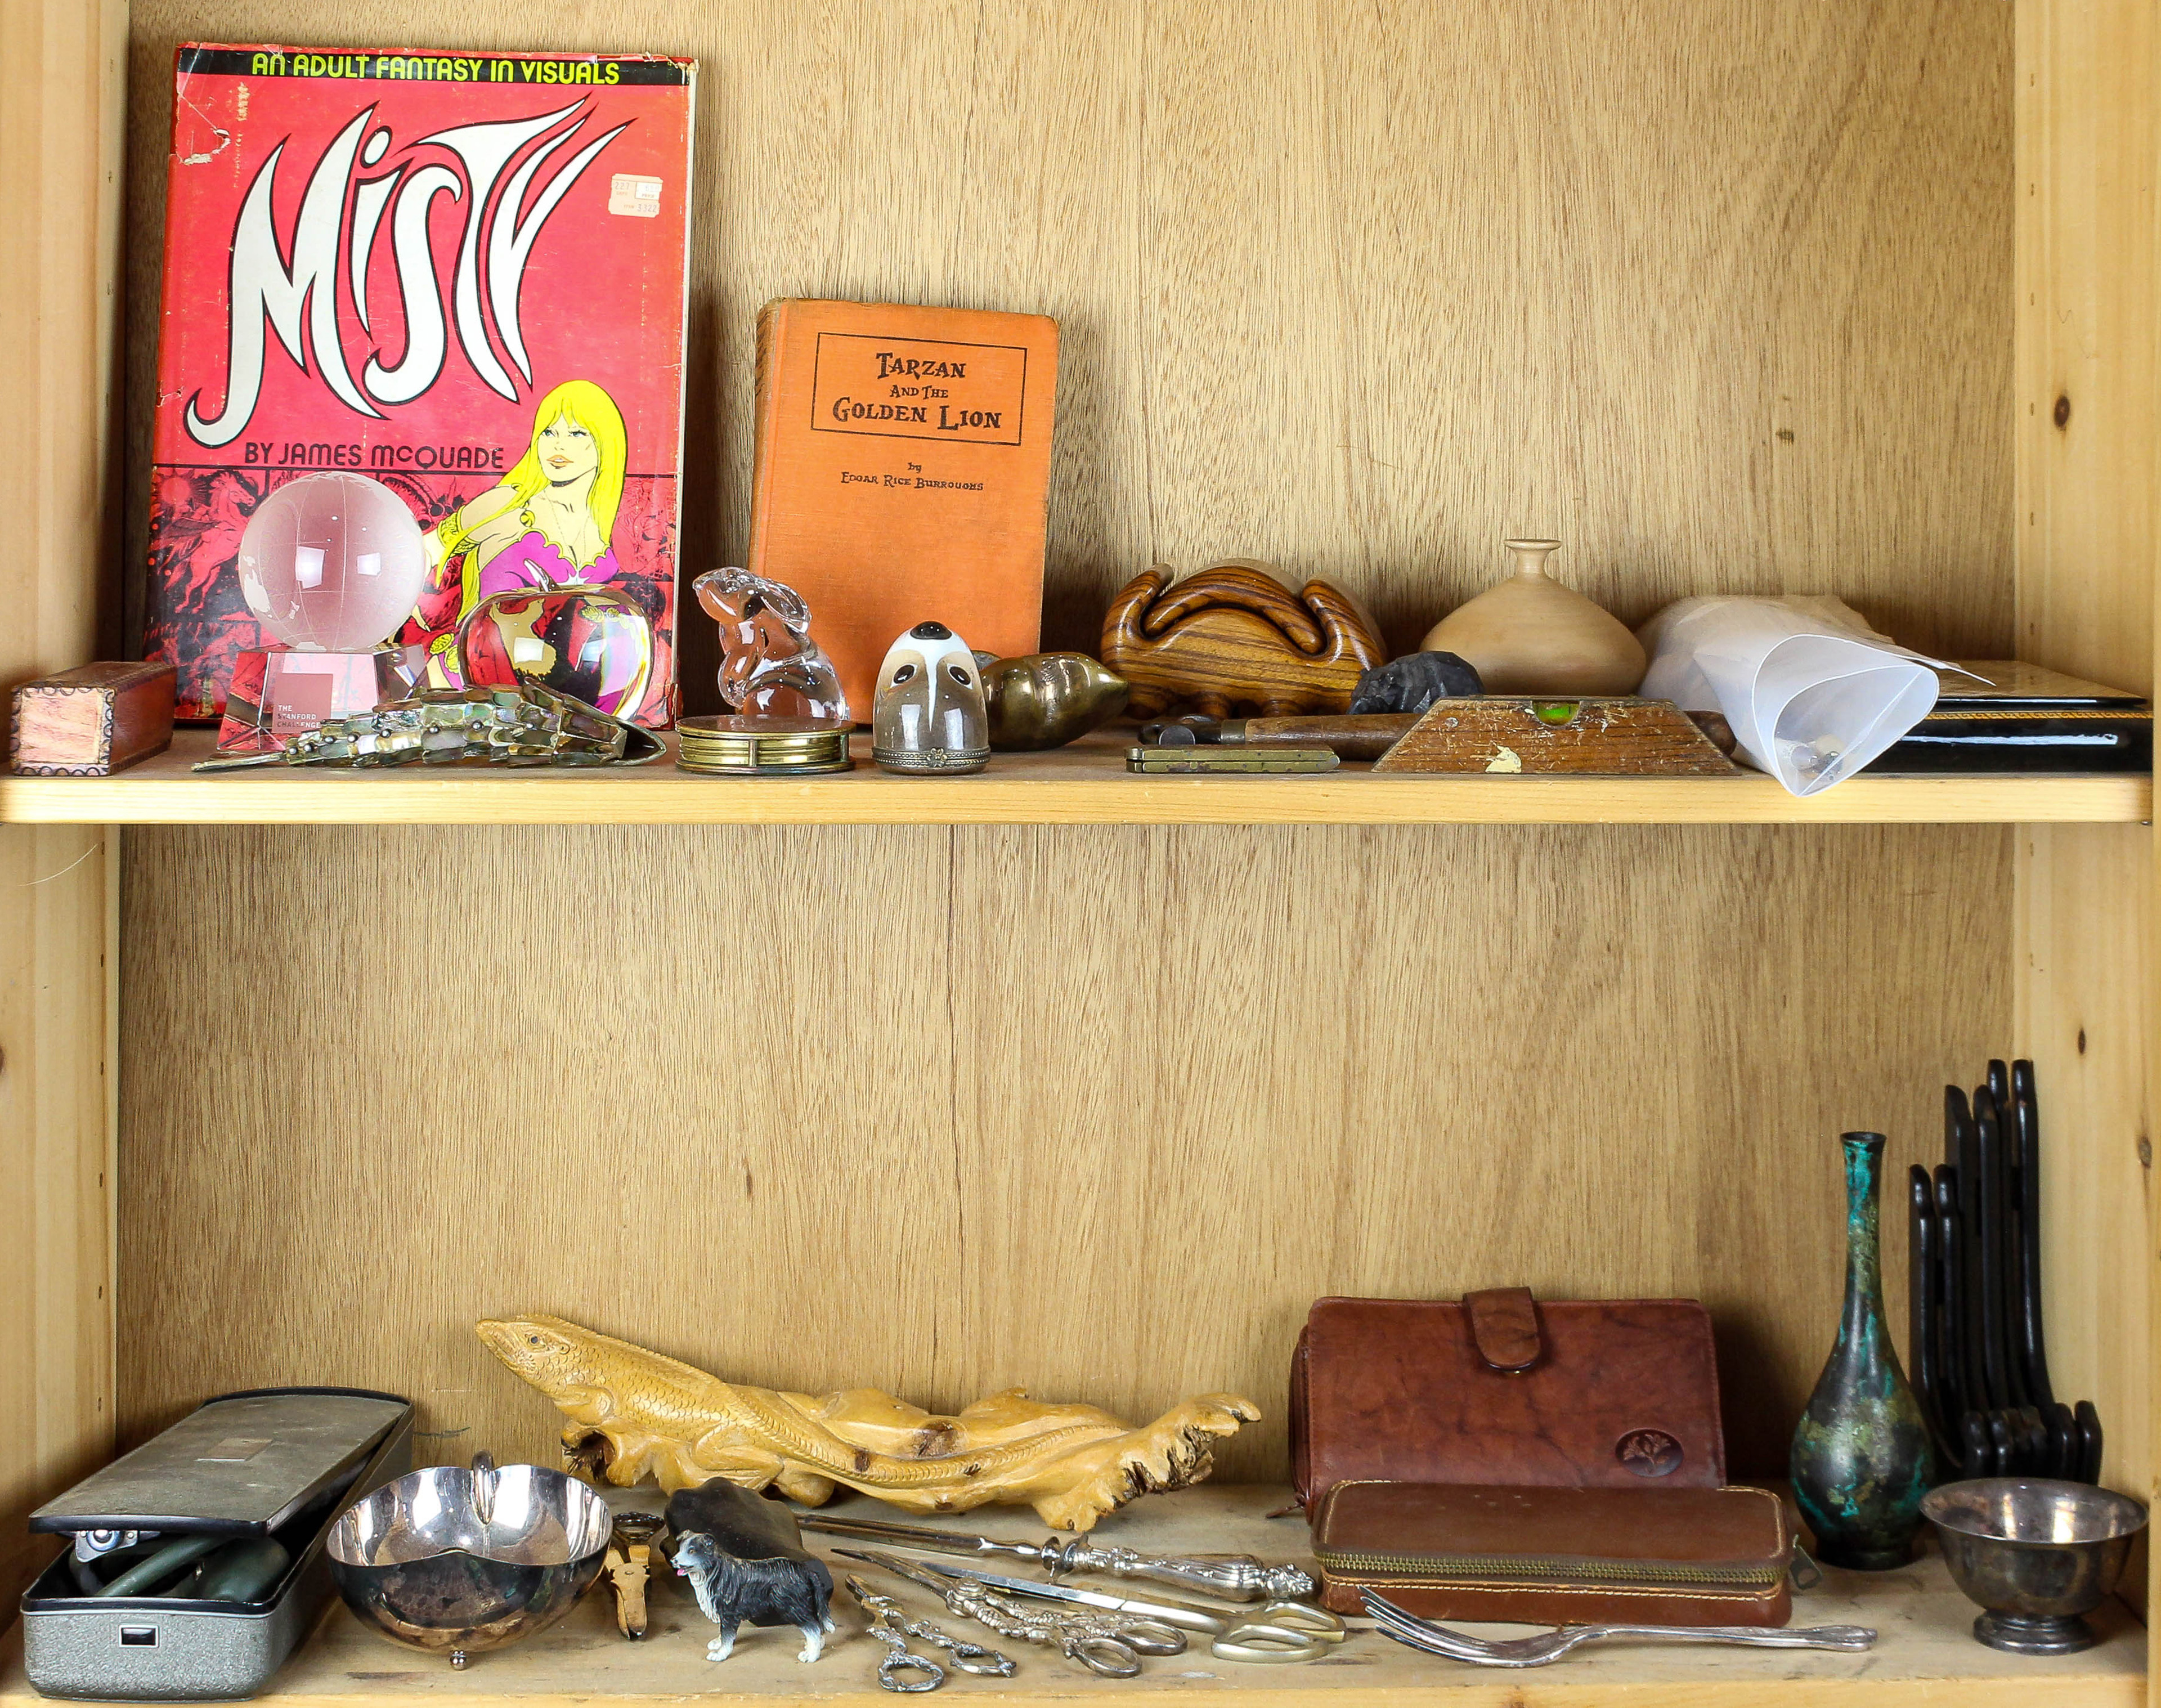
(91, 721)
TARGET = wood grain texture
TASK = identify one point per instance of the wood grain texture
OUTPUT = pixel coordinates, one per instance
(62, 132)
(1924, 1657)
(1711, 291)
(58, 895)
(1231, 636)
(1084, 784)
(2088, 299)
(2083, 1013)
(1095, 1110)
(2088, 282)
(61, 127)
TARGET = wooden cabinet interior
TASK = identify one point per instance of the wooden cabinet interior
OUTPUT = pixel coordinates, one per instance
(2087, 425)
(1095, 1110)
(60, 133)
(1715, 292)
(1719, 297)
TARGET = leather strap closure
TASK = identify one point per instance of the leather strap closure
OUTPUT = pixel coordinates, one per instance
(1504, 1325)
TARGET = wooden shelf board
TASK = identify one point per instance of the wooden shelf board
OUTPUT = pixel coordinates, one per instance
(1085, 784)
(1925, 1654)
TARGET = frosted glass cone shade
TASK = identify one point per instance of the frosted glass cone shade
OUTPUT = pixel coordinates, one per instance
(332, 563)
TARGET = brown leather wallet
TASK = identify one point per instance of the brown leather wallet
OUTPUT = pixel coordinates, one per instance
(1501, 1388)
(1557, 1556)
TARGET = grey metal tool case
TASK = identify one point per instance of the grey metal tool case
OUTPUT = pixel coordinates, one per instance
(277, 1462)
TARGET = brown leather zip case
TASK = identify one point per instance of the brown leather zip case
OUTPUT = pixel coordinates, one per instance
(1500, 1388)
(1557, 1556)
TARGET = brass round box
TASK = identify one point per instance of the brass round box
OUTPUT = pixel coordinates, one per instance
(737, 745)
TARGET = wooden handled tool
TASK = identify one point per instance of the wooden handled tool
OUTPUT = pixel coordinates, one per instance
(1353, 736)
(1364, 736)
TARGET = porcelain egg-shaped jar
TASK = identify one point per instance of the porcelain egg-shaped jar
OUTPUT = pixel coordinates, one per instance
(928, 719)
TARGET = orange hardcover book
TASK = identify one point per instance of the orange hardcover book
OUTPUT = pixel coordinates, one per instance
(904, 466)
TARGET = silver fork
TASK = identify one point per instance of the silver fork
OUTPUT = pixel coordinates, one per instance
(1419, 1633)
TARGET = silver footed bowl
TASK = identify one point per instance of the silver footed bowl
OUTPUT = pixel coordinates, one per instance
(2035, 1555)
(458, 1562)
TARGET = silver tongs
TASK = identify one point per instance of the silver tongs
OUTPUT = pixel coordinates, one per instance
(1108, 1646)
(1229, 1577)
(1277, 1632)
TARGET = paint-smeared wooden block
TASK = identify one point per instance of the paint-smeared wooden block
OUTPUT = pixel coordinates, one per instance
(1500, 734)
(92, 721)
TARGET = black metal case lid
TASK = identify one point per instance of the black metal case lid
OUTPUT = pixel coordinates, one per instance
(240, 1464)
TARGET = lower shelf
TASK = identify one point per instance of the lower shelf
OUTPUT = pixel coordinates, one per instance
(1926, 1653)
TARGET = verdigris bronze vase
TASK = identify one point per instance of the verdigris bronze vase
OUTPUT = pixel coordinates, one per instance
(1861, 1458)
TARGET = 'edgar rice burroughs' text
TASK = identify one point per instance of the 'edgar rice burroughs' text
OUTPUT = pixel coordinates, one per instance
(918, 482)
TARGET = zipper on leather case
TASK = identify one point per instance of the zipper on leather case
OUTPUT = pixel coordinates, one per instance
(1516, 1569)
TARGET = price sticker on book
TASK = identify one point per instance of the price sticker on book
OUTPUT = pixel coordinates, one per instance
(634, 193)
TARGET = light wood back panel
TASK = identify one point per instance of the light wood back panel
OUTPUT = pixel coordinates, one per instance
(62, 116)
(1096, 1111)
(58, 892)
(62, 126)
(2088, 423)
(1713, 291)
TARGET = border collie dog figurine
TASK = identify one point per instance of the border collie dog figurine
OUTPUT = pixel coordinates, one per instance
(744, 1557)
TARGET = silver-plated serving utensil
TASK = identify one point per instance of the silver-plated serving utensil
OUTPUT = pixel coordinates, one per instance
(1279, 1631)
(1415, 1632)
(1109, 1647)
(1228, 1577)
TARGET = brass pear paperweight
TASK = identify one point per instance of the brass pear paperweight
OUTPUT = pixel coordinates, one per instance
(1531, 635)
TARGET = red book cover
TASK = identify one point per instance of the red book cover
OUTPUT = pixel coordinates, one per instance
(460, 273)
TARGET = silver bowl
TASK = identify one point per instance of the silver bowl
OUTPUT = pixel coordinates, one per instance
(458, 1562)
(2035, 1555)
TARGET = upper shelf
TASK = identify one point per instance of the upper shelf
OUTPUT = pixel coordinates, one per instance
(1084, 784)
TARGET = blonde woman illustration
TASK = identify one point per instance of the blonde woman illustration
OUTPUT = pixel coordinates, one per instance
(548, 524)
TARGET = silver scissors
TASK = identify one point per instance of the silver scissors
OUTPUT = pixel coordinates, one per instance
(891, 1626)
(1109, 1647)
(1275, 1632)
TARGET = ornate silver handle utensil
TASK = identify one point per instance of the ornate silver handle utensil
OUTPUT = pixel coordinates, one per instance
(1276, 1630)
(891, 1626)
(1415, 1632)
(887, 1615)
(1228, 1577)
(1109, 1647)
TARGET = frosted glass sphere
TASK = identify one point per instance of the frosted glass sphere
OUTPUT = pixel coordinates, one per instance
(332, 563)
